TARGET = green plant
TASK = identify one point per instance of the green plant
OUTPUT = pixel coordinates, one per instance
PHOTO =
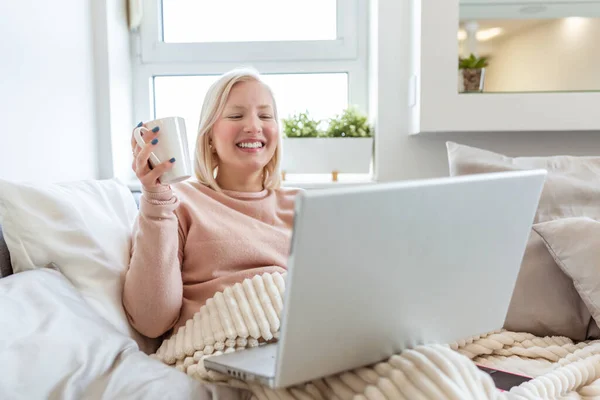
(301, 125)
(472, 62)
(350, 123)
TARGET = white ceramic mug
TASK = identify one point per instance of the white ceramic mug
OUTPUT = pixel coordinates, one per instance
(172, 143)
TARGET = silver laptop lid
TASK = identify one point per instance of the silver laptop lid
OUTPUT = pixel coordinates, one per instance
(378, 268)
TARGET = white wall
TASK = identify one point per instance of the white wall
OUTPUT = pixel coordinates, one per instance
(400, 156)
(114, 85)
(121, 84)
(47, 114)
(561, 54)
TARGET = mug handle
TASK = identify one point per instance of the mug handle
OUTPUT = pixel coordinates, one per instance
(154, 161)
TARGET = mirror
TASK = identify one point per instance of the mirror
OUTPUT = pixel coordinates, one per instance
(508, 46)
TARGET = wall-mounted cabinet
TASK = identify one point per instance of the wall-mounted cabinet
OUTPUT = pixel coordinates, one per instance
(541, 66)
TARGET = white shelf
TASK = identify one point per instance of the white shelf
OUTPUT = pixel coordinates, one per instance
(438, 107)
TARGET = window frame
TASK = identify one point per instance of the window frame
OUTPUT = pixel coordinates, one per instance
(154, 50)
(145, 74)
(152, 57)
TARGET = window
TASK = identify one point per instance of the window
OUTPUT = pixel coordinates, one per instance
(194, 21)
(313, 54)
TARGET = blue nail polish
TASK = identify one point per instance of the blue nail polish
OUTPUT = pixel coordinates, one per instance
(155, 129)
(154, 141)
(172, 160)
(140, 124)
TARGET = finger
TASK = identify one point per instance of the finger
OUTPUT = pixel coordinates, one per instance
(147, 136)
(152, 177)
(136, 151)
(140, 170)
(144, 155)
(142, 167)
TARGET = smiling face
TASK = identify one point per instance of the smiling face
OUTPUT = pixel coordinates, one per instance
(245, 135)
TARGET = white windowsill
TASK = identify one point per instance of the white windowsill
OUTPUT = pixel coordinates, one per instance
(319, 181)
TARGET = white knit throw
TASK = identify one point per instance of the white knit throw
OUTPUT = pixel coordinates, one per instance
(249, 313)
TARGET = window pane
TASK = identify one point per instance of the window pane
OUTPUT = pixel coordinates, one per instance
(187, 21)
(322, 95)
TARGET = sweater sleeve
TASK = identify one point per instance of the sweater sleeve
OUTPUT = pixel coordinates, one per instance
(153, 290)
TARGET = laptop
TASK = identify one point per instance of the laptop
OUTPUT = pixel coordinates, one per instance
(376, 269)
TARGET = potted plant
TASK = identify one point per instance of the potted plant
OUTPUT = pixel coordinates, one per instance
(473, 72)
(301, 125)
(344, 146)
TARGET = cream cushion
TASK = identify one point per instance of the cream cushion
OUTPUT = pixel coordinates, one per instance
(574, 243)
(545, 301)
(572, 186)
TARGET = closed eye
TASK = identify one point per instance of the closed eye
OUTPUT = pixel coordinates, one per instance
(266, 116)
(236, 116)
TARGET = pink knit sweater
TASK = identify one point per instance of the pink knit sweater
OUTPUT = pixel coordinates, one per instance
(190, 242)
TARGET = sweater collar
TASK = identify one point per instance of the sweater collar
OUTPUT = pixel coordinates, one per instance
(246, 195)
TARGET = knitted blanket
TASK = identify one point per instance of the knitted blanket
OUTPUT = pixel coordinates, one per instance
(248, 314)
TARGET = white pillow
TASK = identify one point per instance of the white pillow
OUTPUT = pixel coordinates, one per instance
(85, 228)
(54, 346)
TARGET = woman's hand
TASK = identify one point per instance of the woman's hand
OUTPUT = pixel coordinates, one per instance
(147, 175)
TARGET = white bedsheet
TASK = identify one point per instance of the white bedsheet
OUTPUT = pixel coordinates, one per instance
(54, 346)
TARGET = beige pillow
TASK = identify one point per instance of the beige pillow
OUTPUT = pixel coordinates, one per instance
(574, 243)
(572, 187)
(593, 332)
(544, 302)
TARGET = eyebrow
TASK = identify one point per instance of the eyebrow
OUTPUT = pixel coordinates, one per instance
(263, 106)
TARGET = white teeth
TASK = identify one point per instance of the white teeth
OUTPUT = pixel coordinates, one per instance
(253, 145)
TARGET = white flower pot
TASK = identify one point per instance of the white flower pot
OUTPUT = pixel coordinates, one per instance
(327, 155)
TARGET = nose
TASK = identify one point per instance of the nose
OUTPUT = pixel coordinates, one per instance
(253, 124)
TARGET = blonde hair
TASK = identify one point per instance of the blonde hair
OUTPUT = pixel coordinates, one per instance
(205, 162)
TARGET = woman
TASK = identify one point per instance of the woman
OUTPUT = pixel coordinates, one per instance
(195, 238)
